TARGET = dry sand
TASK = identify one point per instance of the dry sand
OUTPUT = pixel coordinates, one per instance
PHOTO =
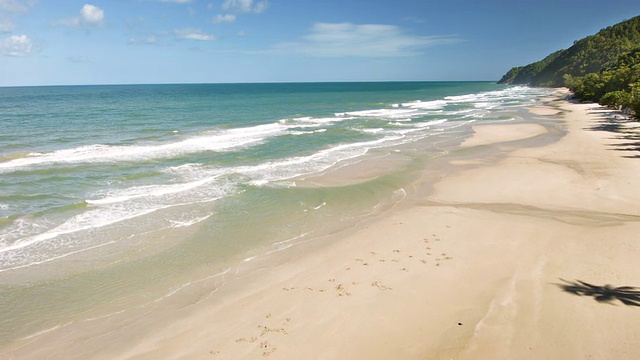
(488, 265)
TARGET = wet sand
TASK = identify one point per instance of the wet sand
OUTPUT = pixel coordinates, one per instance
(524, 257)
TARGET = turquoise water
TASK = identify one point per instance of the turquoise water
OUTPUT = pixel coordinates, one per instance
(105, 190)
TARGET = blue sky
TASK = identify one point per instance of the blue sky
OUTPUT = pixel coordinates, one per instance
(63, 42)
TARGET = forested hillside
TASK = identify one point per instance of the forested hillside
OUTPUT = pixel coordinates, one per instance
(587, 55)
(604, 67)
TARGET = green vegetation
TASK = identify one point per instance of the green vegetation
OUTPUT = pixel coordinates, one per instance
(617, 86)
(603, 68)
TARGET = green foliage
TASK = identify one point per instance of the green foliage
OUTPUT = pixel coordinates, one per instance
(617, 99)
(603, 68)
(588, 55)
(617, 85)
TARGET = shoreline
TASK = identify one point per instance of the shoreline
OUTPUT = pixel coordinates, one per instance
(472, 266)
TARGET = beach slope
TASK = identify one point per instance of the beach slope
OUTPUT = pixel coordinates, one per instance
(530, 253)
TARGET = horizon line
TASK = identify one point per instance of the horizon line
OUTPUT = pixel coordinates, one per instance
(247, 83)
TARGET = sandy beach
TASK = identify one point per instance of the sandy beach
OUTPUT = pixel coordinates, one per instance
(525, 253)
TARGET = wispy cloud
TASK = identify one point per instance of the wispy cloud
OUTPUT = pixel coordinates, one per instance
(78, 59)
(227, 18)
(193, 34)
(368, 40)
(245, 6)
(16, 6)
(10, 9)
(90, 17)
(6, 25)
(16, 45)
(157, 39)
(176, 1)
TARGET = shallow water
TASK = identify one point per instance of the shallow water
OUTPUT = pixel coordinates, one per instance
(113, 199)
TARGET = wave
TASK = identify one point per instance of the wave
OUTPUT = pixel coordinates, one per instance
(194, 183)
(220, 140)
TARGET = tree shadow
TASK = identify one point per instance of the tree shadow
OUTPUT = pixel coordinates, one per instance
(628, 295)
(618, 125)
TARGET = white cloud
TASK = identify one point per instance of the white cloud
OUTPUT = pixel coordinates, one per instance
(6, 25)
(368, 40)
(10, 9)
(16, 45)
(16, 6)
(90, 17)
(193, 34)
(227, 18)
(245, 6)
(157, 39)
(176, 1)
(145, 40)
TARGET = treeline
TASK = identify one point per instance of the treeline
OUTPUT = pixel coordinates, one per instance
(617, 86)
(601, 67)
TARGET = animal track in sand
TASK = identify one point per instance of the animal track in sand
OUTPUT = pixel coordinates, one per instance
(380, 286)
(341, 291)
(250, 340)
(268, 349)
(265, 331)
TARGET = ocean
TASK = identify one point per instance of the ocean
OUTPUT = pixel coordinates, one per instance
(116, 200)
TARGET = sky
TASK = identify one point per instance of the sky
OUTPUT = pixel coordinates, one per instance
(69, 42)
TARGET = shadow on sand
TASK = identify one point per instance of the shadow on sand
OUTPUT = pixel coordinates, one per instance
(617, 124)
(628, 295)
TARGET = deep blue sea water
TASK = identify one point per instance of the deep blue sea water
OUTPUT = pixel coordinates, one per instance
(107, 189)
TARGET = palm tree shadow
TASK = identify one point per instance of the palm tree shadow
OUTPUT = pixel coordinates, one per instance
(628, 295)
